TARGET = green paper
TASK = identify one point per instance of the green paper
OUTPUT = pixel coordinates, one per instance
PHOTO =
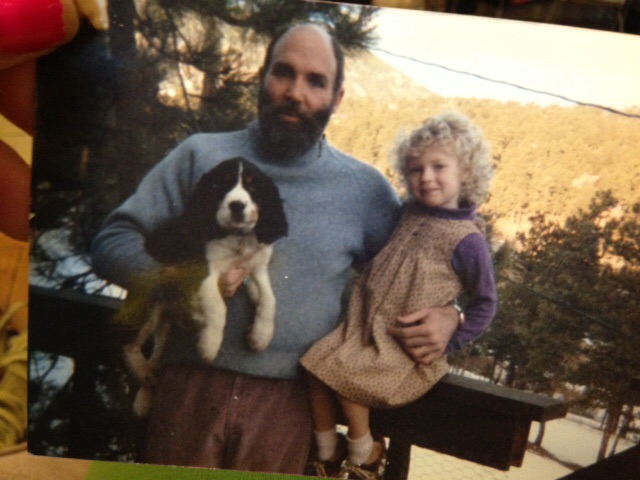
(131, 471)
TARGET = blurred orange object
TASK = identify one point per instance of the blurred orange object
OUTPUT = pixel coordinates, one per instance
(14, 279)
(14, 270)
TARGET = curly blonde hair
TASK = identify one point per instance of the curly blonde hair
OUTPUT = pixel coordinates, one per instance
(463, 139)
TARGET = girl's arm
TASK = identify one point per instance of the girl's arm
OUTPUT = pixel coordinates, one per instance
(472, 263)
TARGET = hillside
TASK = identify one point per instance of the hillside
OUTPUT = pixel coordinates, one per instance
(549, 159)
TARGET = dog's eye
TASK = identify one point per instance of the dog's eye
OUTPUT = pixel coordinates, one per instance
(248, 180)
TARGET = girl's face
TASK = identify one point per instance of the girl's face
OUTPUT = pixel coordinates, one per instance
(434, 178)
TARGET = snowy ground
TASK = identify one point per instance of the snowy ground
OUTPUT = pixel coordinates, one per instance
(572, 439)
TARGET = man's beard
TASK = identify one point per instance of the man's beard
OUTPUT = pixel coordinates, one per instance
(286, 140)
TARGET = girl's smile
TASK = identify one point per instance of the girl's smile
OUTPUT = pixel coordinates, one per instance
(434, 178)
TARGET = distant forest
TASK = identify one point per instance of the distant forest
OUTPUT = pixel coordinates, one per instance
(548, 160)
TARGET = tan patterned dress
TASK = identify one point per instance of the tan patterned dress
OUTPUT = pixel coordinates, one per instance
(359, 359)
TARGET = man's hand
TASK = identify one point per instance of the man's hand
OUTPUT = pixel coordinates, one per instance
(231, 280)
(424, 334)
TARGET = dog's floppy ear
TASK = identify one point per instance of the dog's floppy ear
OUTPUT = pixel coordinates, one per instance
(199, 215)
(183, 238)
(272, 222)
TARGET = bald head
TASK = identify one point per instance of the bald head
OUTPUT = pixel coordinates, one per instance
(324, 41)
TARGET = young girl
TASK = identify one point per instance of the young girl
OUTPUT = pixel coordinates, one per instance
(435, 254)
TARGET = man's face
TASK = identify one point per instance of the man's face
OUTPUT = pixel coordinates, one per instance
(297, 94)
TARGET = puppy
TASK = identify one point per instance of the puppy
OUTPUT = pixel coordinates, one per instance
(232, 219)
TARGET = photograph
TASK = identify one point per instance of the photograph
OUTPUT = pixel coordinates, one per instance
(336, 240)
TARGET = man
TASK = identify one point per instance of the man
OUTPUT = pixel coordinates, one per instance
(249, 410)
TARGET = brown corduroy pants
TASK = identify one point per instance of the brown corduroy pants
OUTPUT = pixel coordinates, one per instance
(204, 417)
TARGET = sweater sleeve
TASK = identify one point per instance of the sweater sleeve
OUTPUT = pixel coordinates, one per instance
(381, 214)
(118, 250)
(472, 263)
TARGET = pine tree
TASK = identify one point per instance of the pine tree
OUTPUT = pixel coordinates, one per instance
(173, 68)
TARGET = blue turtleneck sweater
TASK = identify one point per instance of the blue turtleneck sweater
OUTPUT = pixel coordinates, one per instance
(340, 213)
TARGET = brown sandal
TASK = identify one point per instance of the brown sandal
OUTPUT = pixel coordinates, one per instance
(330, 468)
(367, 471)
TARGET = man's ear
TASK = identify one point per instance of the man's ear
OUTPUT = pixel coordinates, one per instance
(337, 99)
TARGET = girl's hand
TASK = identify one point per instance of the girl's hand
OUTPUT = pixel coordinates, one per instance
(424, 334)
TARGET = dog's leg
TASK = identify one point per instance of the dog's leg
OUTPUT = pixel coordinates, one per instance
(214, 316)
(142, 402)
(160, 337)
(144, 397)
(254, 291)
(143, 368)
(263, 324)
(140, 366)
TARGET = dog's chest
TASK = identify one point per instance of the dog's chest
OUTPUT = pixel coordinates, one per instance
(220, 253)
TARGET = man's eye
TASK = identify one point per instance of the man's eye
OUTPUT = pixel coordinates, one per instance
(317, 81)
(281, 71)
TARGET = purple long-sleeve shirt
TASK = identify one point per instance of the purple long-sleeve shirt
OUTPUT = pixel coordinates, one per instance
(472, 262)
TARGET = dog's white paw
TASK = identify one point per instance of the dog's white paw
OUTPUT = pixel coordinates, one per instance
(260, 335)
(209, 344)
(142, 402)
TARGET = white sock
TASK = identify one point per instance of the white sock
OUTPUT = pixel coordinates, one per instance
(326, 443)
(360, 448)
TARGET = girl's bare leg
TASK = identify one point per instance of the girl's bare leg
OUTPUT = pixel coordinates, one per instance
(357, 418)
(323, 405)
(362, 448)
(324, 412)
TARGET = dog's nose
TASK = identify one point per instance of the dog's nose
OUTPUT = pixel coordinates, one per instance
(237, 210)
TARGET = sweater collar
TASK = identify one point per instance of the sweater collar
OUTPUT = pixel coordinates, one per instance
(462, 213)
(307, 158)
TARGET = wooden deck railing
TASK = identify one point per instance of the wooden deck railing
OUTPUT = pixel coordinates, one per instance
(470, 419)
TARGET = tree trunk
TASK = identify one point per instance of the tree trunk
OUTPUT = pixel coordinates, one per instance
(495, 372)
(611, 425)
(511, 374)
(129, 107)
(624, 428)
(541, 429)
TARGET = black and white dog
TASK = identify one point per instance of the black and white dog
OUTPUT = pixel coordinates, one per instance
(232, 219)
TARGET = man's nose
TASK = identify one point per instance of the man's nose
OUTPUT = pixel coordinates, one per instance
(296, 90)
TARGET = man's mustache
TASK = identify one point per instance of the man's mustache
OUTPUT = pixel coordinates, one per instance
(293, 109)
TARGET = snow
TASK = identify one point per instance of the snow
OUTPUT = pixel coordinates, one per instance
(468, 56)
(57, 247)
(572, 439)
